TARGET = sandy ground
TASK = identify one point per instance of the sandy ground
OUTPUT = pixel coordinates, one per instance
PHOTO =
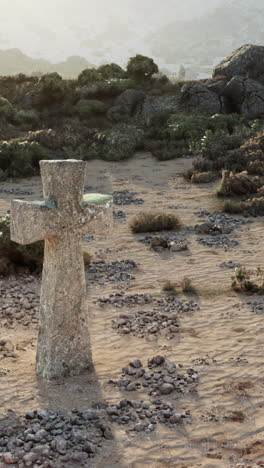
(223, 340)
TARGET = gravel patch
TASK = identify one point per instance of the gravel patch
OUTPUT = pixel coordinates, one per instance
(230, 264)
(220, 218)
(121, 300)
(15, 191)
(19, 302)
(102, 271)
(51, 439)
(217, 242)
(125, 197)
(159, 378)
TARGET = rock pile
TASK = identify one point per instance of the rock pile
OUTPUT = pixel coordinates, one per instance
(51, 439)
(144, 416)
(161, 321)
(120, 299)
(125, 197)
(101, 271)
(147, 324)
(19, 302)
(160, 378)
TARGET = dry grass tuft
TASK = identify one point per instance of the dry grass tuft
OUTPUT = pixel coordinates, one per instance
(169, 287)
(186, 285)
(86, 257)
(154, 222)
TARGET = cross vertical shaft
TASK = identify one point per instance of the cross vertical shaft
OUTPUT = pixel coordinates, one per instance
(61, 220)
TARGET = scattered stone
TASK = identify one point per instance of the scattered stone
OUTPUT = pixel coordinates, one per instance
(19, 300)
(48, 435)
(162, 320)
(230, 264)
(163, 380)
(15, 191)
(125, 197)
(217, 242)
(119, 215)
(219, 218)
(121, 299)
(101, 271)
(142, 416)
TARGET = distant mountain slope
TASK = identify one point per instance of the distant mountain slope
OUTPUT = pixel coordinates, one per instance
(195, 33)
(13, 61)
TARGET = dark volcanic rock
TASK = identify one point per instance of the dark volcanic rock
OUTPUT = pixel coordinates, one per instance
(247, 61)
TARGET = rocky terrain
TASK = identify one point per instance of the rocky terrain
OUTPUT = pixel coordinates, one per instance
(177, 377)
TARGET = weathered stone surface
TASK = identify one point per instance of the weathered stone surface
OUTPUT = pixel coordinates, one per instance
(247, 61)
(62, 219)
(245, 96)
(198, 97)
(126, 105)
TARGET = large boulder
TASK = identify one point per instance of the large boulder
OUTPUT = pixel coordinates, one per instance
(196, 96)
(247, 61)
(126, 105)
(245, 96)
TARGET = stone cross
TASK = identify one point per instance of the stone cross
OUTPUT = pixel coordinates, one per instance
(61, 220)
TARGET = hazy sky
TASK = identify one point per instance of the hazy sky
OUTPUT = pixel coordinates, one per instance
(54, 29)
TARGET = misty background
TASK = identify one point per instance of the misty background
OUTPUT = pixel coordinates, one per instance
(70, 35)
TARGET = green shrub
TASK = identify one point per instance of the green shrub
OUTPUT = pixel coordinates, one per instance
(87, 108)
(141, 67)
(50, 89)
(105, 89)
(187, 126)
(154, 222)
(7, 111)
(88, 76)
(110, 71)
(21, 158)
(27, 117)
(242, 280)
(117, 144)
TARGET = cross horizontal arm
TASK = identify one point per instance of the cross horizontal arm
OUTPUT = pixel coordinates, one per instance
(30, 221)
(98, 210)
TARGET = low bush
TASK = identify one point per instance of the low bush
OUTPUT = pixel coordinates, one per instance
(251, 207)
(87, 108)
(50, 89)
(104, 89)
(27, 118)
(89, 75)
(154, 222)
(7, 111)
(110, 71)
(21, 158)
(117, 144)
(238, 184)
(248, 281)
